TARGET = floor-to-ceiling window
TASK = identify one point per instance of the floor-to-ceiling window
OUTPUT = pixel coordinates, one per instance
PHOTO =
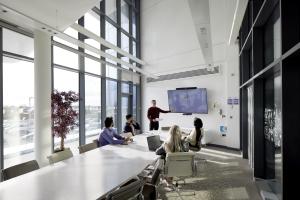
(111, 100)
(18, 97)
(94, 77)
(65, 81)
(272, 127)
(125, 101)
(92, 107)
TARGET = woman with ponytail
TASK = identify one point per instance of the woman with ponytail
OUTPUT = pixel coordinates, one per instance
(196, 134)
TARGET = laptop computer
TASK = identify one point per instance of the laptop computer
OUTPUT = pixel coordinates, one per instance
(153, 142)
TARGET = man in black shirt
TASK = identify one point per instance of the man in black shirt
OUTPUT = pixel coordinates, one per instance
(131, 126)
(153, 115)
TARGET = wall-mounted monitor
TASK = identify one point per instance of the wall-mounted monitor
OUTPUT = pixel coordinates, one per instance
(188, 101)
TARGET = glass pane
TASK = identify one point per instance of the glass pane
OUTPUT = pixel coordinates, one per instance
(125, 88)
(67, 81)
(134, 48)
(272, 128)
(126, 59)
(17, 43)
(111, 72)
(111, 9)
(18, 111)
(113, 53)
(124, 15)
(111, 99)
(125, 102)
(124, 42)
(92, 22)
(134, 24)
(92, 66)
(134, 100)
(92, 108)
(65, 58)
(110, 33)
(93, 43)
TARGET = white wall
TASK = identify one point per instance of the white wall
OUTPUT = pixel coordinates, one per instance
(169, 44)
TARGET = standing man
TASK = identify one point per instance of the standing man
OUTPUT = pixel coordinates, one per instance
(153, 115)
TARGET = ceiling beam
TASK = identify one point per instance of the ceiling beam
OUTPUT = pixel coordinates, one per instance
(240, 9)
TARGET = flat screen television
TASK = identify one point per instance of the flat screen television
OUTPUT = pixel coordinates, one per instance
(188, 101)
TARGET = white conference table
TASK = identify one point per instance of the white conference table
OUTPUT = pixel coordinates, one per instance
(83, 177)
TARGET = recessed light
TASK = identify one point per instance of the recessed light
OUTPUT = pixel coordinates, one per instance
(43, 28)
(5, 11)
(49, 30)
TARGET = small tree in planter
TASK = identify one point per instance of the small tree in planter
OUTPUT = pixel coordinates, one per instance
(63, 115)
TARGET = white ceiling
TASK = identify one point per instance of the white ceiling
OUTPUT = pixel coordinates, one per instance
(58, 14)
(171, 33)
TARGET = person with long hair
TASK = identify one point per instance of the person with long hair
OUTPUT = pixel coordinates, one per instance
(174, 142)
(197, 133)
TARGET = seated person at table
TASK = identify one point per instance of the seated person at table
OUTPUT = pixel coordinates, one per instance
(109, 135)
(174, 143)
(131, 126)
(196, 134)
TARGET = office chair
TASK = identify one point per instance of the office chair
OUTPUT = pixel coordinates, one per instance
(151, 176)
(19, 169)
(197, 149)
(180, 165)
(59, 156)
(87, 147)
(132, 189)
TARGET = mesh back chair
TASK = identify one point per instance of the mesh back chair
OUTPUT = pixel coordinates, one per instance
(180, 165)
(87, 147)
(19, 169)
(59, 156)
(130, 190)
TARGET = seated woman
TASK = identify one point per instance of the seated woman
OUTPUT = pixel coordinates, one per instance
(174, 143)
(196, 134)
(109, 135)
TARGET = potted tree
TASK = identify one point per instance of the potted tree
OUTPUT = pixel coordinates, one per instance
(63, 115)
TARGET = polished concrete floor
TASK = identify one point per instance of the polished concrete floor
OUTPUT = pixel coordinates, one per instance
(225, 175)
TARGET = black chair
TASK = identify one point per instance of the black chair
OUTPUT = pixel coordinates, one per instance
(150, 191)
(19, 169)
(132, 189)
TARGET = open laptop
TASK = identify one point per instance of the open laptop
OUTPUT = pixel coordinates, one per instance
(153, 142)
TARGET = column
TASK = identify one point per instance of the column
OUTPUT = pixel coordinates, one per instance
(42, 94)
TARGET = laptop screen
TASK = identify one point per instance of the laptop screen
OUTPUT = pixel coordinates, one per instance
(153, 142)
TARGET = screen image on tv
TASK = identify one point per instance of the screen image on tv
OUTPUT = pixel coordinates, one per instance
(188, 101)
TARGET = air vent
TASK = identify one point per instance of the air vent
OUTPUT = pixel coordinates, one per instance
(186, 74)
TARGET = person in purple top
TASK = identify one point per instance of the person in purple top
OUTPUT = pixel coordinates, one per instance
(109, 135)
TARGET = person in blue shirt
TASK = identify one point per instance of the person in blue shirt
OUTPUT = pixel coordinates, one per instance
(109, 135)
